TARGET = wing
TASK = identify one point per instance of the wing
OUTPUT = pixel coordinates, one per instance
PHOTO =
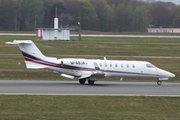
(97, 73)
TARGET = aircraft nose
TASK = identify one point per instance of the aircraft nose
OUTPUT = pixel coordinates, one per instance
(171, 75)
(166, 73)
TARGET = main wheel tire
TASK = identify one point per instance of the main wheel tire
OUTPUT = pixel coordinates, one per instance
(159, 82)
(91, 82)
(82, 81)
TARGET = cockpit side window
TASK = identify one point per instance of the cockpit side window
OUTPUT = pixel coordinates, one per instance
(150, 66)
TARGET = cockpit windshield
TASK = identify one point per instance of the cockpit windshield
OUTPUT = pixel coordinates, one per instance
(150, 66)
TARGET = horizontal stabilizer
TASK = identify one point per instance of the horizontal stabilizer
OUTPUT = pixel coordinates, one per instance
(15, 42)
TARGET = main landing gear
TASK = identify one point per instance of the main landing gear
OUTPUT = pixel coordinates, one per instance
(159, 82)
(90, 82)
(82, 81)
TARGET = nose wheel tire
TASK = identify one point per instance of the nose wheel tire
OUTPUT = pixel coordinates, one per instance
(159, 82)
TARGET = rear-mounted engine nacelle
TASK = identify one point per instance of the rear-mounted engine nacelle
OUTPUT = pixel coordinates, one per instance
(163, 78)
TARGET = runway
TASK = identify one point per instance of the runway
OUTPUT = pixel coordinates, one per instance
(15, 87)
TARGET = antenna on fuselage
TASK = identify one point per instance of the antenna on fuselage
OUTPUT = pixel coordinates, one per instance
(105, 58)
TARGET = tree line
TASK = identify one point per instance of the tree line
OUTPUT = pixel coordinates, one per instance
(97, 15)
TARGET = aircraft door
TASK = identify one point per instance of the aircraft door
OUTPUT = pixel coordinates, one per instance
(106, 66)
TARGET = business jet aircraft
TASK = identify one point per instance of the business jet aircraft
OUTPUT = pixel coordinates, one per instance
(88, 68)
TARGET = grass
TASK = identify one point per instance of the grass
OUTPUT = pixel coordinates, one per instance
(88, 107)
(104, 46)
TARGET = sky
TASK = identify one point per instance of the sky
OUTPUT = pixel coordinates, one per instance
(174, 1)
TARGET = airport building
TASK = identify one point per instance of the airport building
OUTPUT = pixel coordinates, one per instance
(55, 33)
(163, 30)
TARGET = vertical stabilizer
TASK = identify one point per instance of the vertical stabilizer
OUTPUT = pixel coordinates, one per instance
(32, 55)
(28, 48)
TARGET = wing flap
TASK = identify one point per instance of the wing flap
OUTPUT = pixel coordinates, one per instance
(97, 73)
(85, 76)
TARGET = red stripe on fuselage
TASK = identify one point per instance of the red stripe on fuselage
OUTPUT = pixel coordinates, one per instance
(39, 62)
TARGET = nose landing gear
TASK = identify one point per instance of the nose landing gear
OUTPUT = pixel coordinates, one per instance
(159, 82)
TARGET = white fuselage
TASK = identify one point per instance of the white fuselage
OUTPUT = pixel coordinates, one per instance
(110, 68)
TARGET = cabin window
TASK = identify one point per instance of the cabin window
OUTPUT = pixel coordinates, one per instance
(116, 65)
(100, 64)
(127, 65)
(110, 65)
(105, 64)
(133, 66)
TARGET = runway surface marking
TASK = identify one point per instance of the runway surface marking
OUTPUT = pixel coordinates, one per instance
(15, 87)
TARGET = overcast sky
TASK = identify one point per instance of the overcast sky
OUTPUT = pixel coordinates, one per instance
(174, 1)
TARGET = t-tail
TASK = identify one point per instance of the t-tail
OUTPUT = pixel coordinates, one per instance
(33, 57)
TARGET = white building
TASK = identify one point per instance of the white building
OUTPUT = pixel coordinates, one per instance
(55, 33)
(163, 30)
